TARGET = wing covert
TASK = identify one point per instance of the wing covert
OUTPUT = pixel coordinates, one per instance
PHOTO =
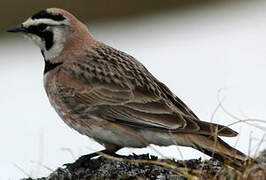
(123, 91)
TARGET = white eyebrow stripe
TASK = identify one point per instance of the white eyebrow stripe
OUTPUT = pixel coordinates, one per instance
(30, 22)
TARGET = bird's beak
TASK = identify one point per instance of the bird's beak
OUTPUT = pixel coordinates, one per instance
(18, 28)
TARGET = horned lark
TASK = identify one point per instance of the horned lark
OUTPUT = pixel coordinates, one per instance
(110, 96)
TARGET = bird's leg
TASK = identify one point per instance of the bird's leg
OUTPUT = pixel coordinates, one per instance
(85, 158)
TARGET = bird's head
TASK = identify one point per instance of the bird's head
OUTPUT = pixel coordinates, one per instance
(50, 29)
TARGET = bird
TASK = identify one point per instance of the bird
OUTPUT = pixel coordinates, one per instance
(111, 97)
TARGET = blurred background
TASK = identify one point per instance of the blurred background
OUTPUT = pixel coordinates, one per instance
(205, 51)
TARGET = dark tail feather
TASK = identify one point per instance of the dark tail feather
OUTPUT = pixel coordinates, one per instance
(215, 147)
(226, 154)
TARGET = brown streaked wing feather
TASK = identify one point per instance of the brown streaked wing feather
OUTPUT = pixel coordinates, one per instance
(176, 101)
(205, 127)
(124, 106)
(128, 116)
(122, 90)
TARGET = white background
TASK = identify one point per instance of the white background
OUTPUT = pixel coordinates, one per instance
(195, 51)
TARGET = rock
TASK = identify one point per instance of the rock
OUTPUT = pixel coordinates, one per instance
(150, 167)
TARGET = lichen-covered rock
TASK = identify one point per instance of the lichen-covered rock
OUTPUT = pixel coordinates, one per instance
(151, 168)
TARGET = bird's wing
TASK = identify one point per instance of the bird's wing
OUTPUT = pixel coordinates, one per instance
(121, 90)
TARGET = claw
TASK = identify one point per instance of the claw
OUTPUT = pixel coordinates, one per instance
(84, 161)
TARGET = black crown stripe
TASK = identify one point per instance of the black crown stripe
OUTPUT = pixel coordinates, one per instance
(44, 14)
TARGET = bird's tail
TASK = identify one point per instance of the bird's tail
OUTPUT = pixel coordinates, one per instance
(216, 148)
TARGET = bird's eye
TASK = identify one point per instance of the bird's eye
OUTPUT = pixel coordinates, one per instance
(42, 27)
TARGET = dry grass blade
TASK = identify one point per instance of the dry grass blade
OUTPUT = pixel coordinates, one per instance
(22, 170)
(42, 165)
(244, 120)
(260, 143)
(70, 152)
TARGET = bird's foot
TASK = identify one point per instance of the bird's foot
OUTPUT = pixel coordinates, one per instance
(84, 161)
